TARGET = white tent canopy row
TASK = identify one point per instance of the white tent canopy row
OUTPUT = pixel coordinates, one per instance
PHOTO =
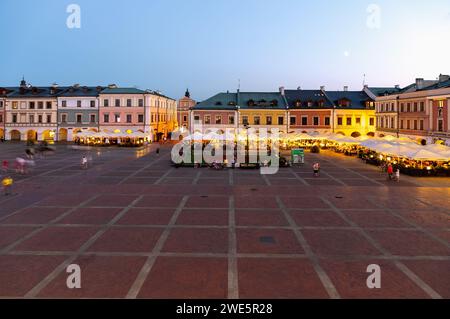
(389, 145)
(409, 150)
(113, 135)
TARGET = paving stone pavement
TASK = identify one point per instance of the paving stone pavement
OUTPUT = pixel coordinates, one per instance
(139, 228)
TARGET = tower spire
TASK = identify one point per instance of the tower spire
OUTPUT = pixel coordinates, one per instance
(23, 83)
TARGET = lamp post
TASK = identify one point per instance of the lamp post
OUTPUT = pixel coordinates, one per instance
(247, 157)
(398, 117)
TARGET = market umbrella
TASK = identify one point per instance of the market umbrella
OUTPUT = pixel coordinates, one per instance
(400, 150)
(423, 155)
(438, 148)
(197, 136)
(389, 138)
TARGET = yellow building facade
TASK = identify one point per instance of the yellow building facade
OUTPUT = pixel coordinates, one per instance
(354, 122)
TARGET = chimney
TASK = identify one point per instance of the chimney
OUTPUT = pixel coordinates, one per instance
(76, 85)
(397, 86)
(443, 77)
(322, 88)
(299, 88)
(420, 83)
(112, 86)
(282, 90)
(345, 88)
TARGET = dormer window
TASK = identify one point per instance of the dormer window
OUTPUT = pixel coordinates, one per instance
(232, 103)
(274, 103)
(310, 103)
(298, 103)
(218, 103)
(251, 103)
(321, 103)
(371, 104)
(344, 103)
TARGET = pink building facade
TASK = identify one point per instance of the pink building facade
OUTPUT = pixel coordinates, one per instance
(421, 114)
(124, 110)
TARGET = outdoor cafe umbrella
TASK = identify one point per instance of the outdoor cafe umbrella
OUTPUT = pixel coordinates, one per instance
(438, 148)
(424, 155)
(197, 136)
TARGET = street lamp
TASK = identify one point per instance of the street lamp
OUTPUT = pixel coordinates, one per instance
(247, 159)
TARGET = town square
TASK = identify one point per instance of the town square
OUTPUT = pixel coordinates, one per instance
(138, 226)
(215, 158)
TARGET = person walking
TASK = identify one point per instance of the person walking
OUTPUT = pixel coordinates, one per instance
(397, 175)
(7, 183)
(316, 169)
(84, 162)
(5, 166)
(390, 171)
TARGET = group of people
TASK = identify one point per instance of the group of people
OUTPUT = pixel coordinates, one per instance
(393, 175)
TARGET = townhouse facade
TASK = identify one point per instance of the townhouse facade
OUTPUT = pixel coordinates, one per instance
(3, 101)
(353, 113)
(262, 109)
(163, 114)
(122, 110)
(301, 111)
(78, 110)
(309, 110)
(420, 111)
(31, 113)
(59, 113)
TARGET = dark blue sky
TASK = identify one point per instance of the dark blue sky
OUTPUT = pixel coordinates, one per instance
(207, 45)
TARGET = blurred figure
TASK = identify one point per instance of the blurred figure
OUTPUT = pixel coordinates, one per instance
(7, 183)
(20, 165)
(390, 171)
(5, 166)
(30, 153)
(84, 162)
(397, 175)
(316, 169)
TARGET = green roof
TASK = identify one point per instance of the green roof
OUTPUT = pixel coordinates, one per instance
(245, 100)
(221, 101)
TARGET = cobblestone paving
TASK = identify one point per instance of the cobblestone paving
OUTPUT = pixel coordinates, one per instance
(139, 228)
